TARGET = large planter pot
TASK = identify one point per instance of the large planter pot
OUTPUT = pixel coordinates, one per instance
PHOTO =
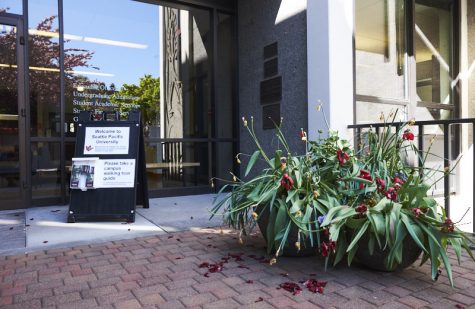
(410, 249)
(306, 248)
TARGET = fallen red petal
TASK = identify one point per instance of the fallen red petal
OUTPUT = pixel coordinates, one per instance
(315, 286)
(259, 299)
(292, 287)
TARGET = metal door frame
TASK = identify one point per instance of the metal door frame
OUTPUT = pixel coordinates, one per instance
(23, 110)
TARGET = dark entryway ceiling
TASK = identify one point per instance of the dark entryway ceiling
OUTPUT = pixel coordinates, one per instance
(226, 5)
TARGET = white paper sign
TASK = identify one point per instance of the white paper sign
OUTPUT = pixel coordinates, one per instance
(106, 140)
(115, 173)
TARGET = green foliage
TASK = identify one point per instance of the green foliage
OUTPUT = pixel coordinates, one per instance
(148, 94)
(337, 198)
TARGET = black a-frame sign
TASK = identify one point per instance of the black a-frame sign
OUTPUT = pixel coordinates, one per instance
(108, 175)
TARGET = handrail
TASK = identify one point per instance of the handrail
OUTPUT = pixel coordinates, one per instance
(416, 123)
(420, 141)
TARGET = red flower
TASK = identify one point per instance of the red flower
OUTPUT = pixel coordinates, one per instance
(408, 135)
(381, 184)
(449, 226)
(326, 232)
(417, 212)
(327, 247)
(342, 157)
(391, 194)
(287, 182)
(364, 175)
(361, 208)
(398, 182)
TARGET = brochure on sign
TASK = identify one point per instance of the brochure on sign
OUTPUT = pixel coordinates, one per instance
(83, 173)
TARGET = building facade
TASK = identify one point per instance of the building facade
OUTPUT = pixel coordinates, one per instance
(194, 68)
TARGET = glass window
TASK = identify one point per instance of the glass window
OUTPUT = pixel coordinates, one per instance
(225, 79)
(10, 181)
(44, 74)
(186, 108)
(430, 113)
(380, 48)
(177, 164)
(370, 112)
(112, 59)
(224, 162)
(11, 6)
(381, 64)
(45, 176)
(433, 52)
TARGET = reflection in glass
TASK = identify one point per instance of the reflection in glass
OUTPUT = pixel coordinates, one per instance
(11, 6)
(185, 97)
(44, 75)
(9, 130)
(369, 112)
(115, 59)
(45, 172)
(225, 82)
(224, 162)
(69, 154)
(425, 113)
(380, 48)
(176, 164)
(433, 45)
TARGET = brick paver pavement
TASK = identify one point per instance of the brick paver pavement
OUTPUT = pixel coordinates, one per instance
(163, 272)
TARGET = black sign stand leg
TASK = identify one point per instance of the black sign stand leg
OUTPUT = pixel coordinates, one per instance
(142, 193)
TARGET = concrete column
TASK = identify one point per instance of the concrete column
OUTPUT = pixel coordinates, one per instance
(330, 25)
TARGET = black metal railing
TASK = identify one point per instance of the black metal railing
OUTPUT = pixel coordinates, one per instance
(448, 140)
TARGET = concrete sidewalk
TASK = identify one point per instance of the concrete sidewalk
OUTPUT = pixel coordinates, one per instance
(46, 227)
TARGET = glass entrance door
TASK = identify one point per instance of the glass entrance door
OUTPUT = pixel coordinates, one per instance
(12, 115)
